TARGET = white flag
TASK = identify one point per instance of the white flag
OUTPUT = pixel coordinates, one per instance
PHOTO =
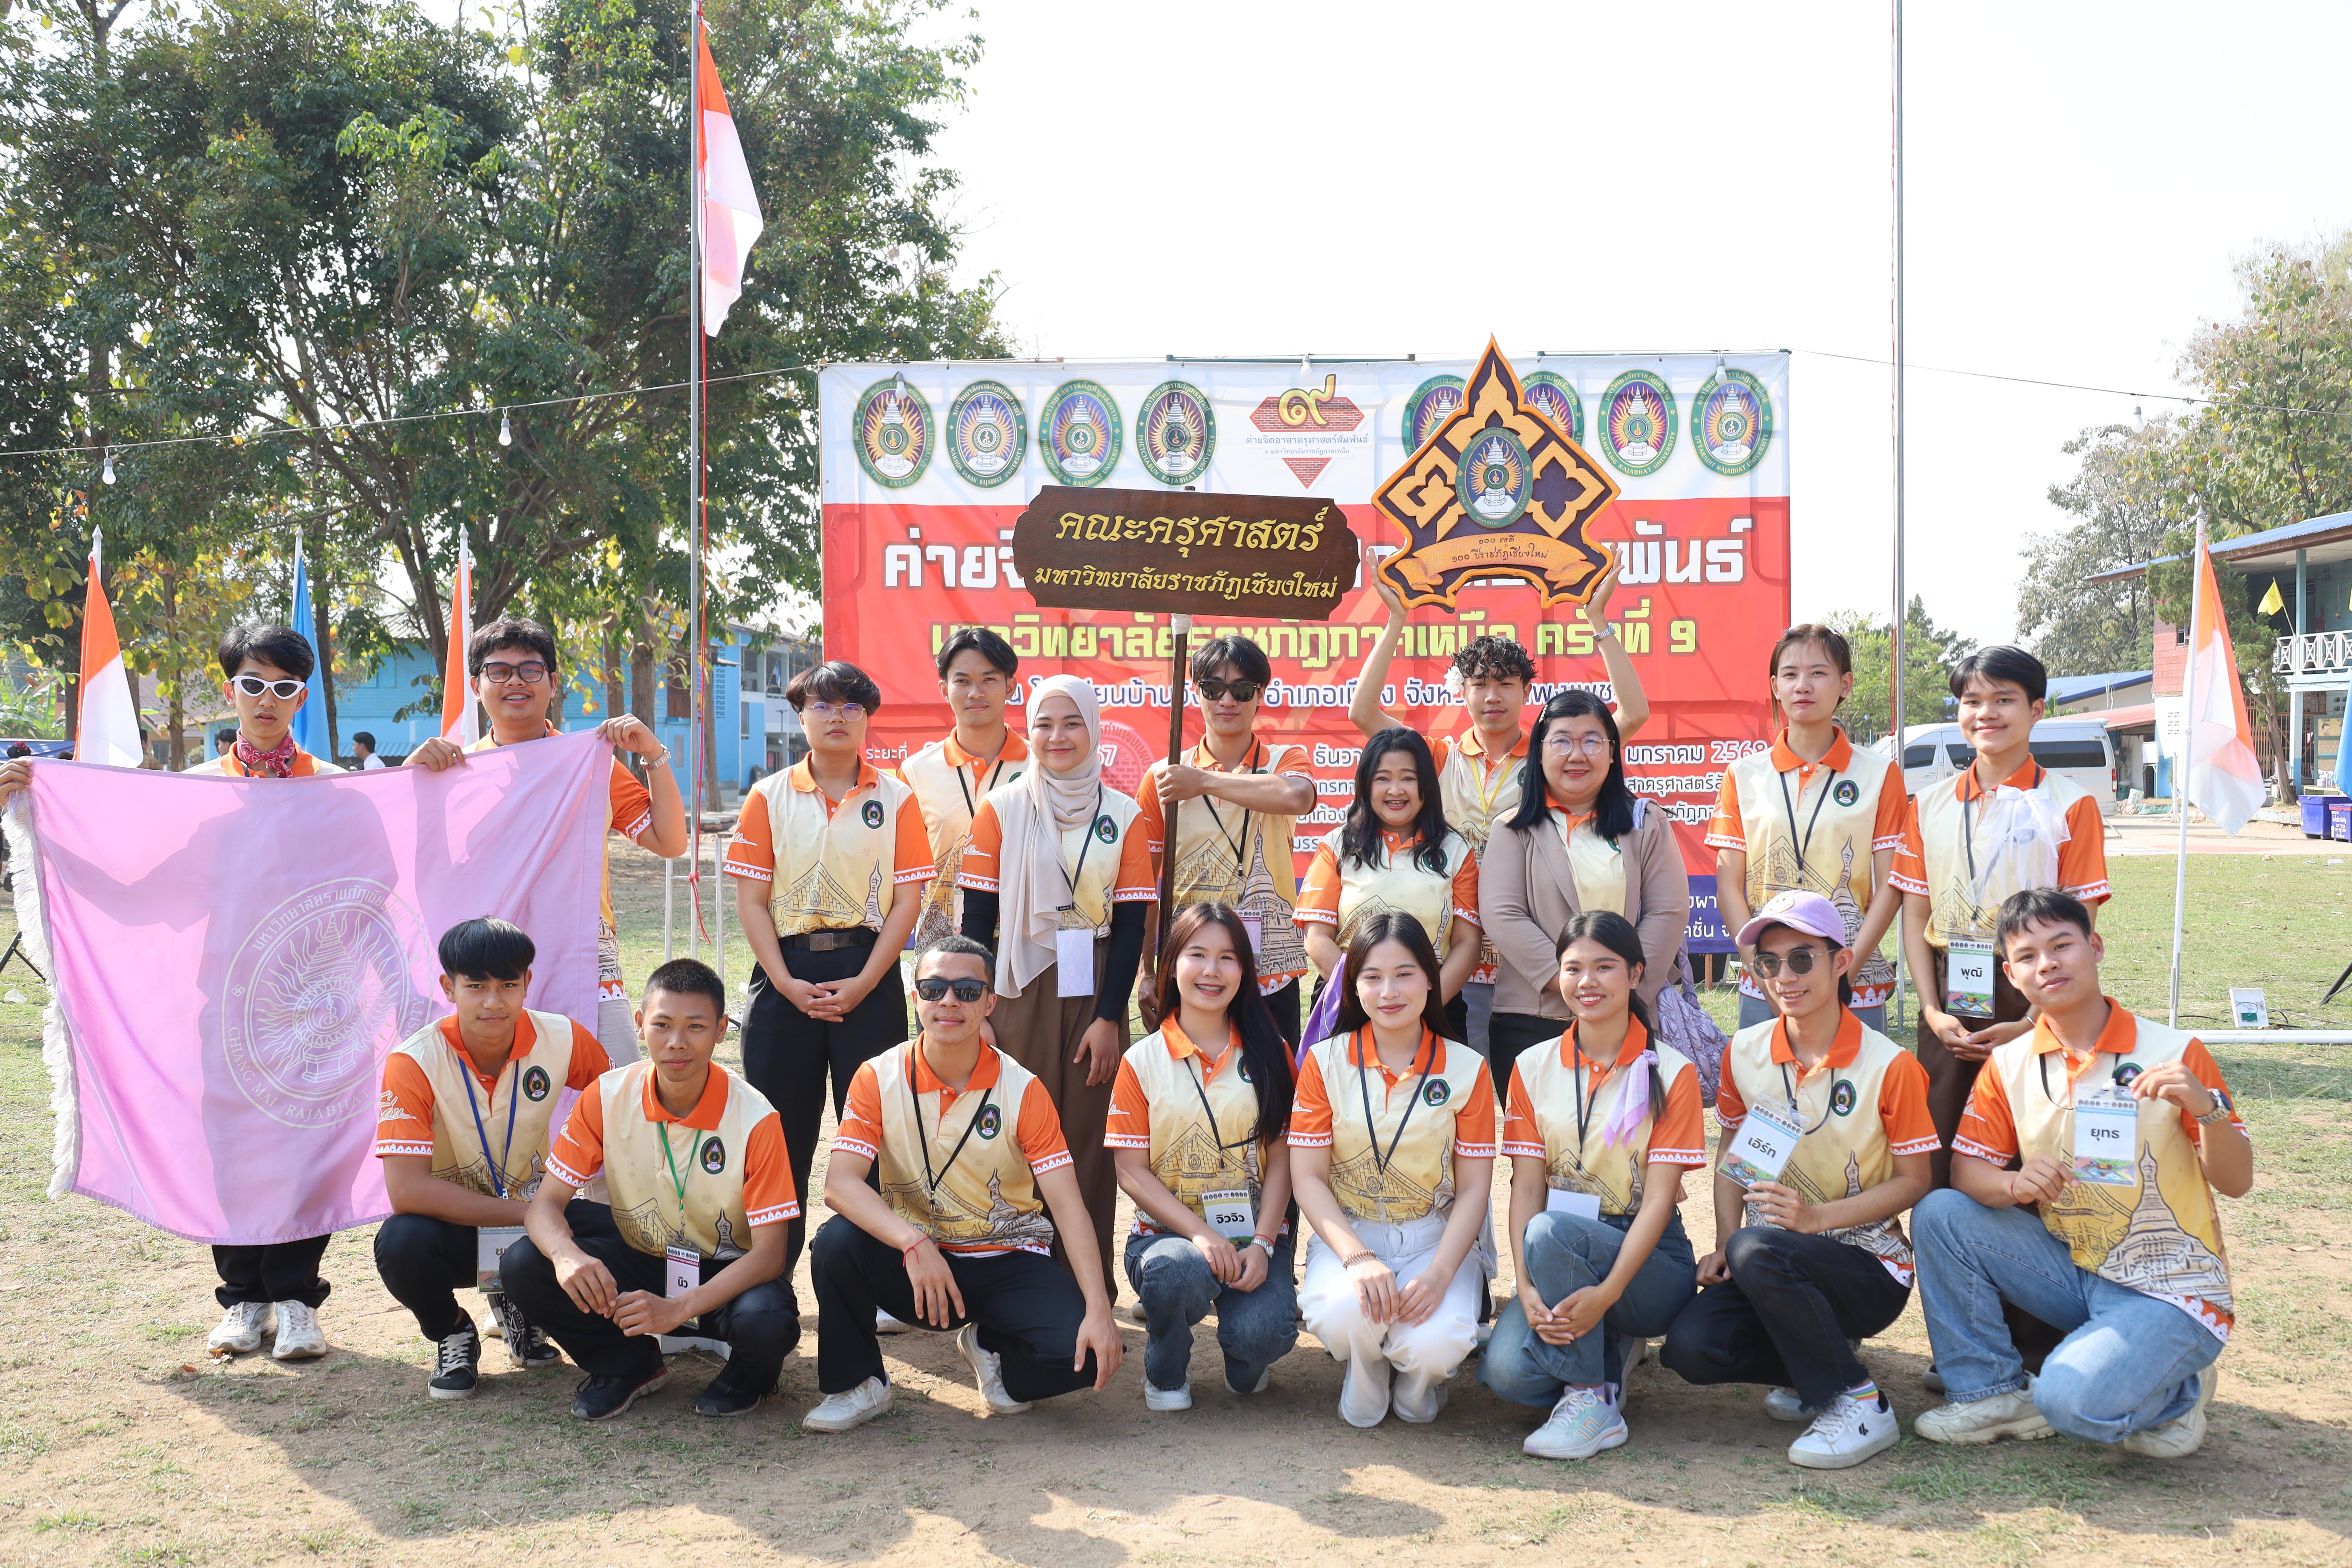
(730, 208)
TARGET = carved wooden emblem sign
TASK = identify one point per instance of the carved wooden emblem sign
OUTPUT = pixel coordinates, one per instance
(1182, 552)
(1496, 491)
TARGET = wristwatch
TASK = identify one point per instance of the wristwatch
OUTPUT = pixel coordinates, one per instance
(2221, 1111)
(1262, 1245)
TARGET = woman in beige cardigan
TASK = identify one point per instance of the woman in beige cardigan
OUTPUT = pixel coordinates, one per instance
(1572, 845)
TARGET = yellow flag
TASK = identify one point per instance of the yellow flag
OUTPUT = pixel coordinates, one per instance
(2271, 604)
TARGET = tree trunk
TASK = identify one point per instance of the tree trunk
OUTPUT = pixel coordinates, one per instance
(174, 708)
(615, 697)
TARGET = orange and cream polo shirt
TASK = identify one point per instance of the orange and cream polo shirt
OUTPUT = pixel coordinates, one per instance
(1338, 892)
(1394, 1142)
(1965, 879)
(2161, 1236)
(727, 1153)
(830, 865)
(1110, 859)
(1845, 1149)
(425, 1107)
(628, 806)
(1199, 1122)
(1244, 858)
(1474, 787)
(949, 784)
(1557, 1106)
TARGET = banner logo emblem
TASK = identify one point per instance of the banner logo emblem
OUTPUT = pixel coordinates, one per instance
(1427, 409)
(1637, 422)
(1557, 401)
(1078, 433)
(987, 432)
(1495, 479)
(894, 433)
(1731, 423)
(1176, 432)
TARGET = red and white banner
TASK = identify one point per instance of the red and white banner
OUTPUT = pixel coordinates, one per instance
(925, 466)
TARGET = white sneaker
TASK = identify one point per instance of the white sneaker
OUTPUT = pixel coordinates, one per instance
(1582, 1424)
(884, 1324)
(2183, 1434)
(299, 1338)
(2010, 1415)
(1783, 1405)
(1364, 1392)
(840, 1412)
(1167, 1398)
(1846, 1434)
(988, 1371)
(240, 1330)
(1263, 1379)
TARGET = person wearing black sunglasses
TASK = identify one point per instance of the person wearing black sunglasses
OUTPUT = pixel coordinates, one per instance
(974, 1187)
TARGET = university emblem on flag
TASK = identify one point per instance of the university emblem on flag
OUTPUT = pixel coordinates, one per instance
(987, 432)
(1176, 432)
(1557, 401)
(895, 435)
(1637, 422)
(314, 996)
(1078, 433)
(535, 1085)
(714, 1156)
(1493, 480)
(1731, 421)
(1427, 409)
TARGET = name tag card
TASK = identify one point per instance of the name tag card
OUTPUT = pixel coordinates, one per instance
(2106, 1138)
(1583, 1205)
(1074, 963)
(490, 1242)
(1967, 977)
(681, 1271)
(1231, 1213)
(1761, 1144)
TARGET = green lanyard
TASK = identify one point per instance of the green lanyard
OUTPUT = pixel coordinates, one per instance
(661, 1130)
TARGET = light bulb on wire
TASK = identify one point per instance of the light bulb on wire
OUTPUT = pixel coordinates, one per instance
(505, 432)
(108, 475)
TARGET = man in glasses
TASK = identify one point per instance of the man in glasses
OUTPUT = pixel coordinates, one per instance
(829, 859)
(954, 773)
(975, 1181)
(1246, 796)
(513, 663)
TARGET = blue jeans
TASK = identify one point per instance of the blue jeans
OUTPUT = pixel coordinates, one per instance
(1564, 1255)
(1254, 1328)
(1753, 1010)
(2128, 1361)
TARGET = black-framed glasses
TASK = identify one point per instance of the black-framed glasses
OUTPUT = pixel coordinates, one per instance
(1217, 691)
(931, 988)
(253, 686)
(1800, 960)
(531, 672)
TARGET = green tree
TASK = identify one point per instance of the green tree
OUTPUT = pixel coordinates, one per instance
(2077, 626)
(1929, 651)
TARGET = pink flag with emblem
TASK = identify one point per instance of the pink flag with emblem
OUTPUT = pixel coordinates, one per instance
(230, 960)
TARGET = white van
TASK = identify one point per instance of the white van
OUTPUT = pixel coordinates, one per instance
(2075, 744)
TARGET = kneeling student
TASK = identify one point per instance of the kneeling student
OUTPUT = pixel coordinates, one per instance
(976, 1183)
(695, 1162)
(1825, 1127)
(2120, 1143)
(458, 1186)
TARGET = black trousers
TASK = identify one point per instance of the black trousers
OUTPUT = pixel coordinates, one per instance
(281, 1271)
(424, 1262)
(1784, 1319)
(1028, 1309)
(787, 1055)
(760, 1326)
(1509, 1034)
(1284, 1003)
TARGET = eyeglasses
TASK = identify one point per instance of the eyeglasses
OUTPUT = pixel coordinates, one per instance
(1590, 744)
(1799, 959)
(1217, 691)
(253, 686)
(931, 988)
(839, 711)
(531, 672)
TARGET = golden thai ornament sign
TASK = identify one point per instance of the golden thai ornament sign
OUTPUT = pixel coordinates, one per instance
(1497, 489)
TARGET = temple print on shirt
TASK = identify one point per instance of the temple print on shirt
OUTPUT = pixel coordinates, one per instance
(1883, 1236)
(1781, 873)
(1193, 1165)
(1391, 1198)
(1205, 872)
(2134, 1237)
(814, 901)
(958, 1218)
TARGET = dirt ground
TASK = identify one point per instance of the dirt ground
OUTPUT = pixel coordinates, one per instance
(121, 1442)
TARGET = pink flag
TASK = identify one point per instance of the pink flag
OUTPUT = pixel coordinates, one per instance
(232, 958)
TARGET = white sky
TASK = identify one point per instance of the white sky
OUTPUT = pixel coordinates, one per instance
(1223, 178)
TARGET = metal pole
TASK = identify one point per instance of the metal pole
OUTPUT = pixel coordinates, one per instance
(1180, 648)
(669, 907)
(718, 910)
(2187, 761)
(1895, 644)
(696, 760)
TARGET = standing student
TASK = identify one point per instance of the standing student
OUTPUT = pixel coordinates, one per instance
(2004, 825)
(1201, 1121)
(955, 773)
(1575, 845)
(828, 858)
(1392, 1157)
(363, 752)
(1812, 814)
(1056, 867)
(1600, 1127)
(1479, 772)
(2120, 1131)
(1809, 1258)
(464, 1134)
(515, 672)
(974, 1187)
(1237, 798)
(1395, 851)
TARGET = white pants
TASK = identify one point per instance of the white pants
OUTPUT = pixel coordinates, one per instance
(1391, 1364)
(617, 1022)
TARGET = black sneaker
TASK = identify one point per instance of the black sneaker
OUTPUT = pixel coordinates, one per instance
(722, 1399)
(601, 1398)
(456, 1369)
(527, 1347)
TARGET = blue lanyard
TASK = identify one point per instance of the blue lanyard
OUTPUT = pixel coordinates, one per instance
(497, 1170)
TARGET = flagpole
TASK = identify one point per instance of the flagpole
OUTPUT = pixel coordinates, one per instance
(2186, 764)
(1894, 642)
(696, 760)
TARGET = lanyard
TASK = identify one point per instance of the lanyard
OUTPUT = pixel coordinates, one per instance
(971, 807)
(1807, 841)
(1070, 879)
(1239, 846)
(498, 1167)
(1599, 1073)
(1364, 1083)
(1968, 825)
(930, 1182)
(1789, 1089)
(661, 1130)
(1200, 1086)
(1485, 796)
(2045, 1061)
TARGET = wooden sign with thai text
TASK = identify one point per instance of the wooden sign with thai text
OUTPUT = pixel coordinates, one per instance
(1184, 552)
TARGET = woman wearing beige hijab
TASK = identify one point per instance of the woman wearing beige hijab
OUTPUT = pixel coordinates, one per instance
(1057, 881)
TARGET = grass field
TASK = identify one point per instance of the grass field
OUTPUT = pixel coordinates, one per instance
(120, 1443)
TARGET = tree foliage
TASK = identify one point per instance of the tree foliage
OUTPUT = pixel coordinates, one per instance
(1929, 651)
(2077, 626)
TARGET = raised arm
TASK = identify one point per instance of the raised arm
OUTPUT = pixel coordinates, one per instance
(1632, 702)
(1365, 712)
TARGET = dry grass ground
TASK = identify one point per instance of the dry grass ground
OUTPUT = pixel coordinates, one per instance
(120, 1443)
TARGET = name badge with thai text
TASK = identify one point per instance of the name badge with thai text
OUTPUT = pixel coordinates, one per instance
(490, 1242)
(1229, 1213)
(681, 1271)
(1074, 963)
(1967, 977)
(1760, 1146)
(2106, 1138)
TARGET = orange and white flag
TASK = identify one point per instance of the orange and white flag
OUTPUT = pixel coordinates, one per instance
(460, 719)
(722, 184)
(2225, 779)
(106, 726)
